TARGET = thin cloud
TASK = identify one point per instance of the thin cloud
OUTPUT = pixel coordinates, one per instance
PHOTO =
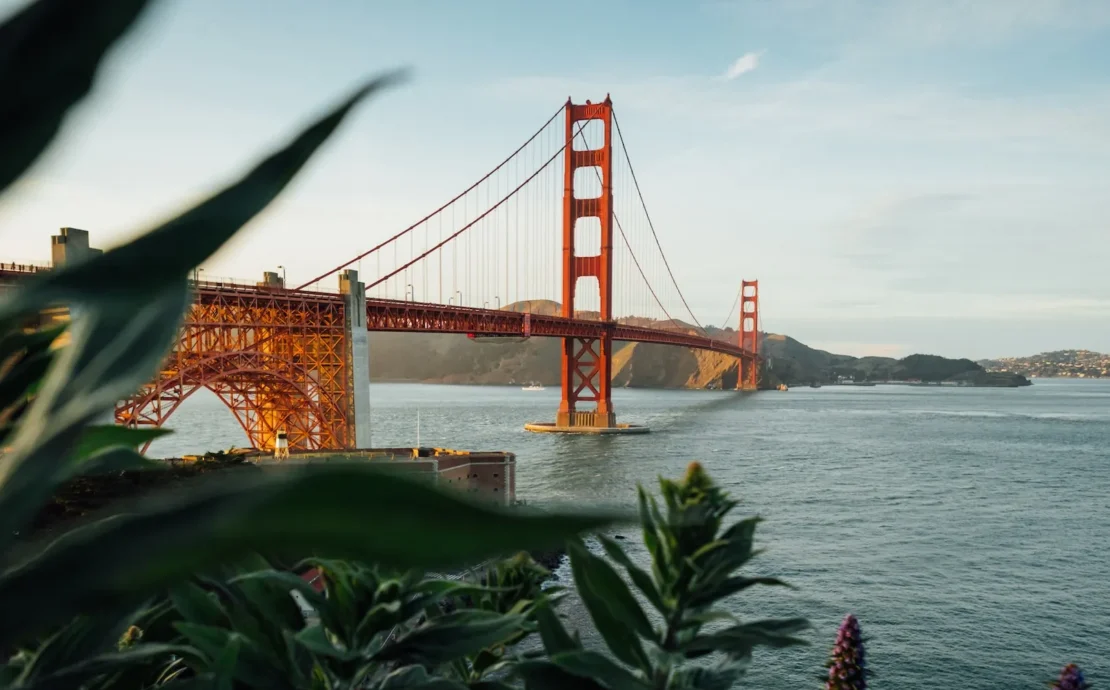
(746, 63)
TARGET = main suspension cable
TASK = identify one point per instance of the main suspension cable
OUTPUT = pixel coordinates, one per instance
(425, 218)
(639, 193)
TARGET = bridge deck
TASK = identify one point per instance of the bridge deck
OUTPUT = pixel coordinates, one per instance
(422, 317)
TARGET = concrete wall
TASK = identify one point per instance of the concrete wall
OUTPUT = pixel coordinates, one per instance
(484, 475)
(488, 475)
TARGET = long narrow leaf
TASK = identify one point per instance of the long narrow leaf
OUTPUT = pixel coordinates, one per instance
(112, 354)
(587, 664)
(95, 439)
(50, 52)
(731, 586)
(38, 340)
(111, 462)
(83, 637)
(738, 641)
(166, 254)
(638, 576)
(296, 510)
(613, 616)
(452, 637)
(546, 675)
(112, 662)
(555, 637)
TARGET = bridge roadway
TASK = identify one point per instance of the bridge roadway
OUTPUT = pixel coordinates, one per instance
(422, 317)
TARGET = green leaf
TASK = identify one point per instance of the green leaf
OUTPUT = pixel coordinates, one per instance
(81, 638)
(638, 576)
(110, 356)
(739, 540)
(555, 637)
(29, 341)
(484, 660)
(315, 639)
(586, 664)
(287, 582)
(320, 508)
(252, 666)
(731, 586)
(166, 254)
(39, 81)
(651, 536)
(455, 635)
(98, 438)
(615, 613)
(699, 619)
(546, 675)
(207, 639)
(738, 641)
(18, 382)
(114, 461)
(414, 677)
(74, 676)
(197, 606)
(224, 664)
(719, 677)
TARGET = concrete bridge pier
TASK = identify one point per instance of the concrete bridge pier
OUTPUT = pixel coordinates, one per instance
(356, 358)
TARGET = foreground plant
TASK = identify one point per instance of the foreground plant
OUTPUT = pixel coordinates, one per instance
(847, 666)
(695, 559)
(1071, 678)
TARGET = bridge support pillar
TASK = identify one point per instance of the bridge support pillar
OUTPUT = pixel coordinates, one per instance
(357, 359)
(748, 376)
(587, 369)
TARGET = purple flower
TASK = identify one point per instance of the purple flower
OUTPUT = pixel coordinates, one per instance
(1071, 678)
(847, 669)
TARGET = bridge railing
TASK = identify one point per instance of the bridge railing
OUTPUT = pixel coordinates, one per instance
(25, 266)
(221, 282)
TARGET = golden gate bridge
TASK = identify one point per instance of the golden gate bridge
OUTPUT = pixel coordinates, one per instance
(554, 241)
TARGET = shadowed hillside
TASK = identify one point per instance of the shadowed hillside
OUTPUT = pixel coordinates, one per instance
(456, 359)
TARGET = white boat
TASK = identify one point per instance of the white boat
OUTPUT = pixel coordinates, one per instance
(532, 387)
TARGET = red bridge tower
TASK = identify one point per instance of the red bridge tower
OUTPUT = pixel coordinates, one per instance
(748, 376)
(588, 362)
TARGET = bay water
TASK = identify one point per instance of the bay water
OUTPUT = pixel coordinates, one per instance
(968, 529)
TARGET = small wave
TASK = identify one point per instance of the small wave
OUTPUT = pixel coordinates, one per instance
(986, 414)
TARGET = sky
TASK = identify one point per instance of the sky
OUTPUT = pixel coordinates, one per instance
(901, 176)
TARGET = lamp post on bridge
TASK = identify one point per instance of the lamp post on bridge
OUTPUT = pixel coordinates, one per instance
(283, 283)
(410, 291)
(459, 294)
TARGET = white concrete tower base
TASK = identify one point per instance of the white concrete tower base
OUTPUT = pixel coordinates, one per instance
(357, 354)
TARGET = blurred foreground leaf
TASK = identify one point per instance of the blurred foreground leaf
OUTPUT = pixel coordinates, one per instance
(50, 52)
(345, 511)
(163, 257)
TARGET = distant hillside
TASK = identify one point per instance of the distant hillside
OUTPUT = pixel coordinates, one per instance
(1061, 363)
(792, 362)
(453, 358)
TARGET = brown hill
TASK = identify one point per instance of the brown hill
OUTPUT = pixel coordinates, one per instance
(454, 358)
(442, 358)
